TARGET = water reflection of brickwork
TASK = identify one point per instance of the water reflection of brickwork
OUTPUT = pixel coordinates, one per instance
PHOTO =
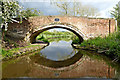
(88, 68)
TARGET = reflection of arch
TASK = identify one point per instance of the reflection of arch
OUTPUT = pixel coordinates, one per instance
(39, 60)
(71, 28)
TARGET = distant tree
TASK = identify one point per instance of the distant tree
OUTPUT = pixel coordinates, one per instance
(115, 13)
(63, 5)
(31, 12)
(87, 11)
(75, 8)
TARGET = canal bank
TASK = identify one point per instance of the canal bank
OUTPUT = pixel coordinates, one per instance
(21, 51)
(105, 52)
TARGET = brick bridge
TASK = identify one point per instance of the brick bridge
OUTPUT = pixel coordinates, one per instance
(84, 28)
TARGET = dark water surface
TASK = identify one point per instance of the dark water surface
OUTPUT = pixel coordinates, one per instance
(61, 60)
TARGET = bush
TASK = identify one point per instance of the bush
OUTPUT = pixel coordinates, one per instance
(76, 41)
(43, 39)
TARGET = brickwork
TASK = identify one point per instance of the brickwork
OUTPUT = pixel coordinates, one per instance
(85, 27)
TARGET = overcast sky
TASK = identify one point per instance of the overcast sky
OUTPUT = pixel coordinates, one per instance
(104, 6)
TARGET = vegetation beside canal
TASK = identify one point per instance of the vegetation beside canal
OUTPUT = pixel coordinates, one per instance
(76, 40)
(110, 45)
(15, 52)
(14, 48)
(47, 35)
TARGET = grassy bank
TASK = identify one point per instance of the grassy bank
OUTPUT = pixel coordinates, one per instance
(13, 47)
(46, 35)
(11, 50)
(14, 51)
(110, 45)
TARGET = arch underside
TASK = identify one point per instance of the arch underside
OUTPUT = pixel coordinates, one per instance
(36, 33)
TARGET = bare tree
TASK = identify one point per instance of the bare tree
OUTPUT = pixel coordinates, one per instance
(87, 11)
(75, 8)
(63, 5)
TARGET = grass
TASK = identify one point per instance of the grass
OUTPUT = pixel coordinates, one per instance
(8, 53)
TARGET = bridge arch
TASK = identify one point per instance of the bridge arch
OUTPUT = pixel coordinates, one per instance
(69, 27)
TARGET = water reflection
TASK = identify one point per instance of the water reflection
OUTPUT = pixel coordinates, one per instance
(92, 65)
(55, 64)
(60, 50)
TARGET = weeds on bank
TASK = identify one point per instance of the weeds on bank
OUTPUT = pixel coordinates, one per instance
(110, 44)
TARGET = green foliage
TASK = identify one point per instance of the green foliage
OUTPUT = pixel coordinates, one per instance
(75, 40)
(59, 39)
(114, 12)
(10, 9)
(47, 35)
(8, 53)
(43, 39)
(110, 43)
(30, 12)
(55, 34)
(40, 37)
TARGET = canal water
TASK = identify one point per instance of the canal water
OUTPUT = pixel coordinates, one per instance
(57, 51)
(60, 60)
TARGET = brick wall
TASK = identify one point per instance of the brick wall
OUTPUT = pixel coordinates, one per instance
(91, 27)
